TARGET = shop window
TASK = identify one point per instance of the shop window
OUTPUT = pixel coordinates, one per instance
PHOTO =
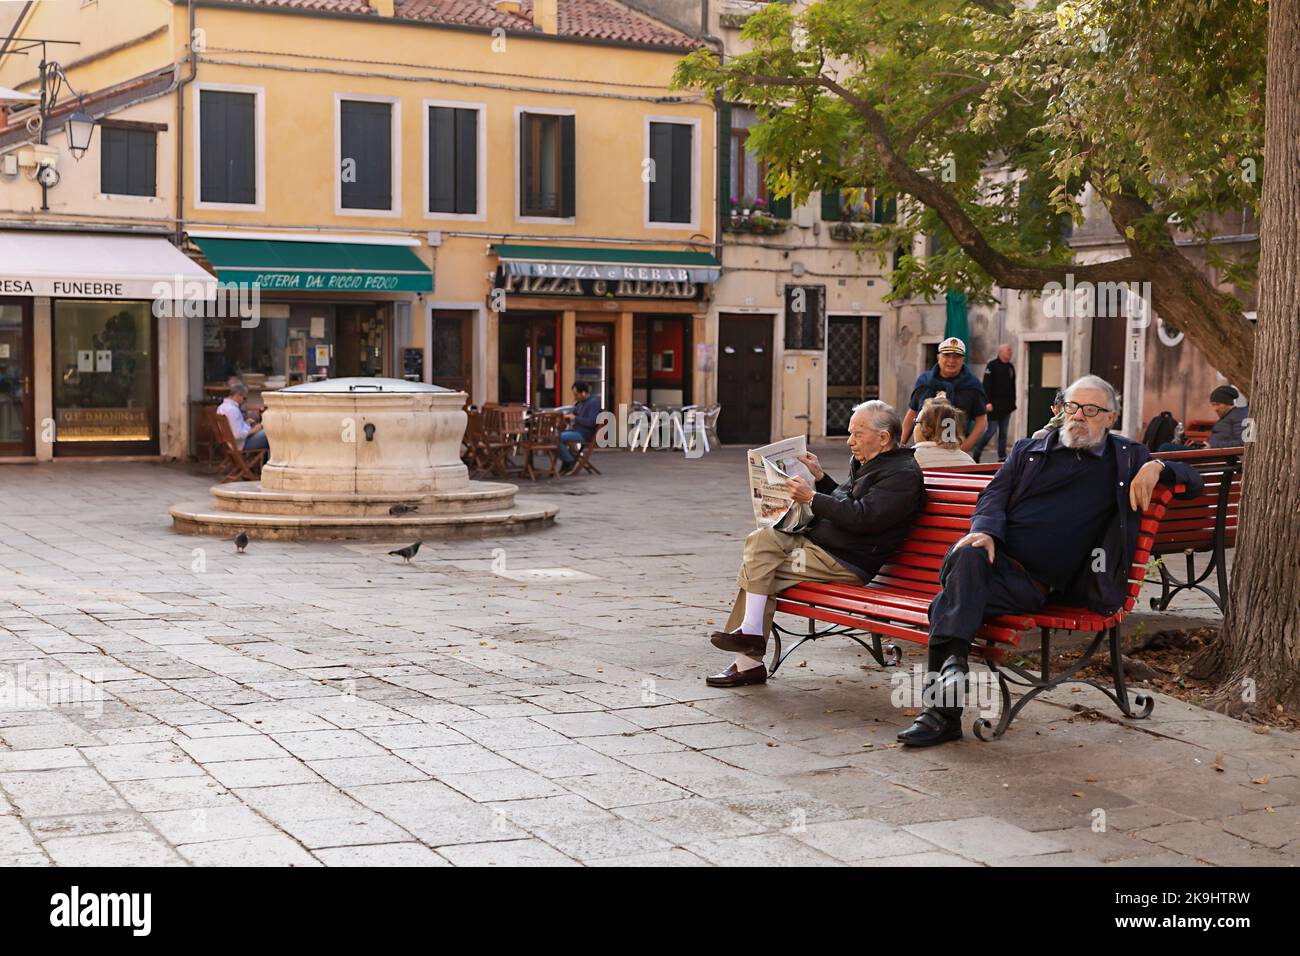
(546, 157)
(105, 380)
(227, 147)
(453, 160)
(671, 188)
(128, 161)
(805, 317)
(366, 155)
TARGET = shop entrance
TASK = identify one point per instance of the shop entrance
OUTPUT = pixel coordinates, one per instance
(661, 346)
(360, 346)
(105, 364)
(17, 416)
(1044, 380)
(451, 357)
(528, 351)
(852, 367)
(593, 358)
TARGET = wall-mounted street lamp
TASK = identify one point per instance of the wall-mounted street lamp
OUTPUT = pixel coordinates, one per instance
(79, 126)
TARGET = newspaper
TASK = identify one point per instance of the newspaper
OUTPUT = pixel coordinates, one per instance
(770, 467)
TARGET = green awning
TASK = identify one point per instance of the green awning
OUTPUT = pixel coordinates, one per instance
(573, 262)
(316, 266)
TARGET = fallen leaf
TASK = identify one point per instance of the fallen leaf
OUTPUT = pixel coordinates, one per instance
(868, 744)
(1260, 780)
(1218, 762)
(1091, 779)
(773, 743)
(709, 621)
(1076, 690)
(910, 712)
(803, 663)
(1078, 793)
(1261, 729)
(1269, 810)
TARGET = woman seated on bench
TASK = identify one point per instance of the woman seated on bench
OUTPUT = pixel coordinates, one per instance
(856, 526)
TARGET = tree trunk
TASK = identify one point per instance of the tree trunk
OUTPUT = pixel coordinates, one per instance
(1258, 654)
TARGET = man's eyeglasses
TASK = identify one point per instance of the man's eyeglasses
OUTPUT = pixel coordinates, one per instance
(1089, 411)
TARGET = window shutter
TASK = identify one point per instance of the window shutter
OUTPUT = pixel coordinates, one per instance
(213, 143)
(142, 162)
(781, 207)
(831, 205)
(682, 179)
(568, 198)
(242, 155)
(442, 160)
(366, 137)
(724, 158)
(661, 187)
(112, 174)
(466, 161)
(526, 186)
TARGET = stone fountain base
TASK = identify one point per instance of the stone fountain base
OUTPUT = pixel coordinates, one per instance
(485, 508)
(344, 452)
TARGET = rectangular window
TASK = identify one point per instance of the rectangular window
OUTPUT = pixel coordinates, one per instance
(128, 161)
(747, 174)
(228, 147)
(453, 160)
(366, 154)
(671, 152)
(805, 316)
(546, 155)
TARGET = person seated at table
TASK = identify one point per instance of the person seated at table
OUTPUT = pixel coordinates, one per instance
(1227, 431)
(856, 526)
(248, 433)
(582, 428)
(938, 432)
(1059, 518)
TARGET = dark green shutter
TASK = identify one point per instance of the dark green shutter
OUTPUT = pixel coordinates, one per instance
(212, 143)
(781, 207)
(885, 210)
(568, 158)
(661, 159)
(366, 137)
(442, 159)
(228, 139)
(466, 161)
(724, 158)
(242, 151)
(831, 205)
(682, 180)
(142, 162)
(112, 161)
(526, 184)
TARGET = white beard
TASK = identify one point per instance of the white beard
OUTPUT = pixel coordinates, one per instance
(1080, 439)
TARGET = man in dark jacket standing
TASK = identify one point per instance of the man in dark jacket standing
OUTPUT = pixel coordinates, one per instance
(1059, 519)
(1000, 388)
(856, 526)
(950, 376)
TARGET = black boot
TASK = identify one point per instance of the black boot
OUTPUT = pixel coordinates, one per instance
(935, 725)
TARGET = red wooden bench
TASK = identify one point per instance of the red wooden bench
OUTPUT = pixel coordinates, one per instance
(1206, 524)
(895, 605)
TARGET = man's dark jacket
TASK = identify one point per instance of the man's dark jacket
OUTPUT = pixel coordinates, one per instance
(863, 520)
(1105, 590)
(964, 391)
(1000, 387)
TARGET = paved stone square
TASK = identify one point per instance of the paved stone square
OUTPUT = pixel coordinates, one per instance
(529, 700)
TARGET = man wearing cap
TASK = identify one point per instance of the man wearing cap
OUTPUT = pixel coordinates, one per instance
(963, 389)
(1227, 431)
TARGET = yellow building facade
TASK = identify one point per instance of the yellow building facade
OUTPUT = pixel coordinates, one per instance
(502, 204)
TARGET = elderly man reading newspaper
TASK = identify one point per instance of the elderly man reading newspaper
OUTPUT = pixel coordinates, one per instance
(853, 528)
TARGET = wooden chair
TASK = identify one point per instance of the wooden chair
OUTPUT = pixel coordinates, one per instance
(504, 430)
(475, 453)
(240, 464)
(543, 436)
(583, 457)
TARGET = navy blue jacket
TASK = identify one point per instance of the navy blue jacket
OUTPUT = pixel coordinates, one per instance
(1103, 591)
(965, 391)
(586, 416)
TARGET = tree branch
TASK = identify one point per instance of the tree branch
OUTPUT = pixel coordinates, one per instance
(910, 136)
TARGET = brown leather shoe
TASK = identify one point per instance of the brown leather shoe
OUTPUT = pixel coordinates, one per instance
(750, 645)
(732, 677)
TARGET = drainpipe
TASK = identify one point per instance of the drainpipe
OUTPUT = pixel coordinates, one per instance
(180, 129)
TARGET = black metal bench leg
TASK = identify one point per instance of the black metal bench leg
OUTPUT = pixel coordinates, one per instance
(1144, 701)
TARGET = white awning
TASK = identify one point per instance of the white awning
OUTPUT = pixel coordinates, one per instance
(13, 96)
(82, 265)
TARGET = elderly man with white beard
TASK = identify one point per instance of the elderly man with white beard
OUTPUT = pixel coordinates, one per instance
(1059, 523)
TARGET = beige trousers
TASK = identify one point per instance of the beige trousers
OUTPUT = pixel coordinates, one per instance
(775, 560)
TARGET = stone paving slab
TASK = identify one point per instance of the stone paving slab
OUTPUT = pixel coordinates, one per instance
(313, 704)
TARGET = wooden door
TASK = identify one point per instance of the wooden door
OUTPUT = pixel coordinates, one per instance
(1044, 381)
(745, 379)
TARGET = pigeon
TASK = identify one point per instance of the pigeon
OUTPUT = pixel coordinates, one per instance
(402, 509)
(408, 552)
(241, 542)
